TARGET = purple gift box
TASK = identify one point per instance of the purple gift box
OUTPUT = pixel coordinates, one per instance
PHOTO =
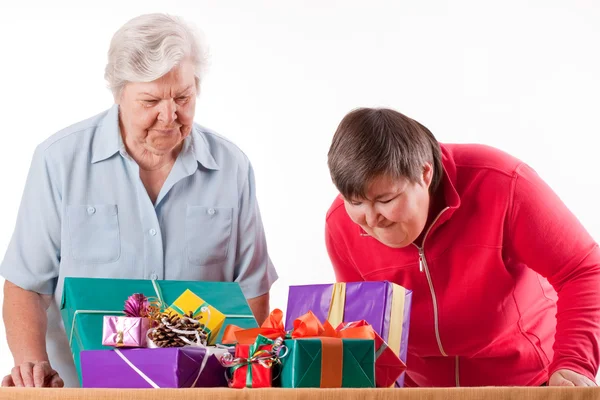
(384, 305)
(124, 331)
(181, 367)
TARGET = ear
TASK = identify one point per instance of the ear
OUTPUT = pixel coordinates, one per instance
(427, 174)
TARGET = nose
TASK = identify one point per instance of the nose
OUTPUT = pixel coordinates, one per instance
(371, 217)
(167, 113)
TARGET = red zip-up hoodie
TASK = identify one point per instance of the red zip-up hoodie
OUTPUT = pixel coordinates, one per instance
(487, 277)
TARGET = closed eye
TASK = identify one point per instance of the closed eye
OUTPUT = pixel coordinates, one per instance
(389, 200)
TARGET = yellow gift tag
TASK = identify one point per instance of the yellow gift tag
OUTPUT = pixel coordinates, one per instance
(208, 315)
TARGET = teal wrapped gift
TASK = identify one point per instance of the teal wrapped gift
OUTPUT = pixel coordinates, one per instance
(328, 363)
(85, 301)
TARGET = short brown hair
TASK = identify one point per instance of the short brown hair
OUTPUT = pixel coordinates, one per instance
(375, 141)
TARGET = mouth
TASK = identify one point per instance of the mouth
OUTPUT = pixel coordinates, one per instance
(372, 231)
(166, 131)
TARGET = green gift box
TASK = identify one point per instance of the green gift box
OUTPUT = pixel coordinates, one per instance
(328, 362)
(85, 301)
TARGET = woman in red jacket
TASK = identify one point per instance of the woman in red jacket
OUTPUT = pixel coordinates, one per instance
(505, 280)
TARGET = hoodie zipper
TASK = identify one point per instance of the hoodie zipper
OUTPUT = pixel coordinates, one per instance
(423, 267)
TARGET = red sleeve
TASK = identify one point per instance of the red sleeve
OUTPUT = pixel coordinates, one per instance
(547, 237)
(344, 268)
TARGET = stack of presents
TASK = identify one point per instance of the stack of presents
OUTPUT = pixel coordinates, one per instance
(178, 334)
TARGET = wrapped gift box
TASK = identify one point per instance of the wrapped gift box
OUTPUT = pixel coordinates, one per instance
(328, 362)
(388, 366)
(124, 331)
(252, 374)
(189, 302)
(384, 305)
(182, 367)
(85, 302)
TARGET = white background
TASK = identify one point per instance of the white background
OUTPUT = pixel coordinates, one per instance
(519, 75)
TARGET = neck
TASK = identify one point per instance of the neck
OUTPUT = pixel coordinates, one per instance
(436, 205)
(148, 160)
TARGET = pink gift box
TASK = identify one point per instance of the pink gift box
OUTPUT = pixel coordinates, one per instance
(125, 331)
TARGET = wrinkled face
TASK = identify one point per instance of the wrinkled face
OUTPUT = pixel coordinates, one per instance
(394, 210)
(156, 116)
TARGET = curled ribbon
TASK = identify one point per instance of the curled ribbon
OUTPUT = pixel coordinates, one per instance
(257, 354)
(265, 358)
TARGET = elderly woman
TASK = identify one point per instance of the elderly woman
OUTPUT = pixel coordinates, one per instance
(139, 191)
(505, 280)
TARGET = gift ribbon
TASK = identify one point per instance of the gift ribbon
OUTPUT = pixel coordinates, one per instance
(200, 309)
(239, 316)
(262, 357)
(119, 338)
(394, 338)
(332, 350)
(157, 290)
(308, 325)
(332, 361)
(272, 329)
(335, 316)
(136, 369)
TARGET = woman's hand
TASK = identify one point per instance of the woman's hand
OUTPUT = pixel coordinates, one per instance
(566, 377)
(33, 374)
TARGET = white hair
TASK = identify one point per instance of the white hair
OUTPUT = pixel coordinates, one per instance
(149, 46)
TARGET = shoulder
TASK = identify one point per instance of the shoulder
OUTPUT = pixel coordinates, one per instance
(337, 221)
(76, 136)
(482, 157)
(222, 149)
(337, 210)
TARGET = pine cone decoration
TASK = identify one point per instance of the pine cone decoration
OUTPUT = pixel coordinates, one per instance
(173, 328)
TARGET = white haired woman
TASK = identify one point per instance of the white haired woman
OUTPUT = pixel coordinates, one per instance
(139, 191)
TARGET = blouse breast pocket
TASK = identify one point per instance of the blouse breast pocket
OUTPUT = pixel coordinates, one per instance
(208, 234)
(94, 233)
